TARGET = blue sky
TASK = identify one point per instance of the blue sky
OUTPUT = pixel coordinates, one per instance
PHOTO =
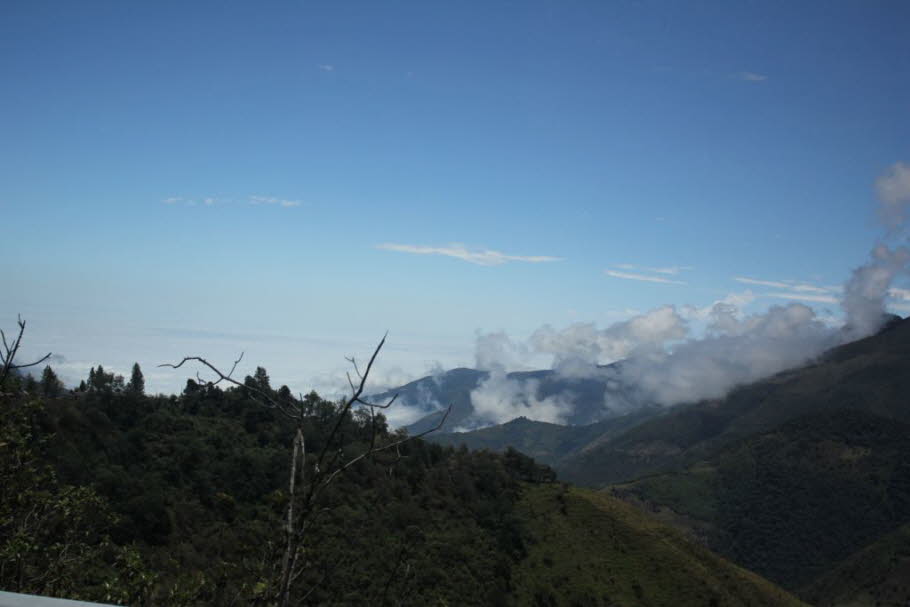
(203, 178)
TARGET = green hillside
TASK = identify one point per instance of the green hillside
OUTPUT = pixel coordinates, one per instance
(586, 548)
(792, 503)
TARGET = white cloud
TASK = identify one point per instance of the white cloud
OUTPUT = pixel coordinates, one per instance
(669, 270)
(893, 190)
(751, 77)
(734, 301)
(581, 346)
(325, 67)
(485, 257)
(208, 201)
(899, 293)
(803, 297)
(642, 277)
(787, 284)
(271, 200)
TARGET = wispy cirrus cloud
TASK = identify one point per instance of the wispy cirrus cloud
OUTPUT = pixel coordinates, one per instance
(803, 297)
(206, 201)
(325, 67)
(794, 290)
(668, 270)
(271, 200)
(211, 201)
(750, 76)
(786, 284)
(643, 277)
(482, 257)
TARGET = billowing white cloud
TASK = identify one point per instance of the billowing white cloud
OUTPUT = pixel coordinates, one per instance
(499, 399)
(735, 351)
(865, 292)
(484, 257)
(583, 345)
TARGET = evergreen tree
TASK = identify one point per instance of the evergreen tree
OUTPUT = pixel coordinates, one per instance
(259, 380)
(51, 385)
(262, 379)
(101, 380)
(137, 381)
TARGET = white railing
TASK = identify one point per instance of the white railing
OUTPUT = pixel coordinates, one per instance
(11, 599)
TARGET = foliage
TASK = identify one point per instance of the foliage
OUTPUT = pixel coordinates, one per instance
(198, 485)
(52, 536)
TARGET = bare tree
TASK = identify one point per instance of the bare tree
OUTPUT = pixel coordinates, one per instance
(306, 483)
(8, 354)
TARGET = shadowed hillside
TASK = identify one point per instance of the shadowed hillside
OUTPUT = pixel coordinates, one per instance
(792, 503)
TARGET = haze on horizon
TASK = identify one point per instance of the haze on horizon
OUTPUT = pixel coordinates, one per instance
(292, 181)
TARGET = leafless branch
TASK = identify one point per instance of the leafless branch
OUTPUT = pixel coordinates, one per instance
(8, 354)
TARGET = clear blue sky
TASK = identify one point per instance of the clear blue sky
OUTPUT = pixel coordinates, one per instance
(205, 177)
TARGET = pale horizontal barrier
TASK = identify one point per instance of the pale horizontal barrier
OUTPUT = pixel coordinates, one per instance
(11, 599)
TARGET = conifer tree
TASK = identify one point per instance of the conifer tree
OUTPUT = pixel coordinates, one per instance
(137, 381)
(51, 385)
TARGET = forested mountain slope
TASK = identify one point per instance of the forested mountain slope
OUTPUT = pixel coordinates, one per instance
(793, 503)
(181, 501)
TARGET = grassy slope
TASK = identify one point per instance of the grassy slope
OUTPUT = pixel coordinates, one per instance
(590, 549)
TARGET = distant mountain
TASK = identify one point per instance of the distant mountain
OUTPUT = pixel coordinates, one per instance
(432, 394)
(545, 442)
(793, 503)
